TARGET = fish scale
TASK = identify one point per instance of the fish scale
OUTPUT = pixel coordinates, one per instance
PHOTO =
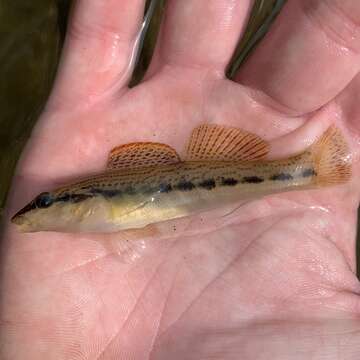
(147, 183)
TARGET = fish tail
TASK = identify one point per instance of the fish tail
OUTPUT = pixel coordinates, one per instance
(332, 158)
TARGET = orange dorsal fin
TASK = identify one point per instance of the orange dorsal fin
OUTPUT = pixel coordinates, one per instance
(220, 143)
(332, 158)
(141, 154)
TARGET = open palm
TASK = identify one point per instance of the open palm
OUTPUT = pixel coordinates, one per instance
(274, 279)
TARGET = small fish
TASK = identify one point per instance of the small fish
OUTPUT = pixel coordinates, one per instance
(146, 183)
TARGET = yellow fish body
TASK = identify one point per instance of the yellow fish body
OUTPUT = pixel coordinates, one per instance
(147, 183)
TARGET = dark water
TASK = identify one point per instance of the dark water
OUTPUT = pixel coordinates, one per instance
(29, 49)
(31, 37)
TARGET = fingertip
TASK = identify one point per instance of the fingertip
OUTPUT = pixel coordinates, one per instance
(98, 51)
(308, 56)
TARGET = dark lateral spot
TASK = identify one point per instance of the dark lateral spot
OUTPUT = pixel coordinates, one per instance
(75, 198)
(185, 186)
(64, 198)
(252, 179)
(111, 193)
(208, 184)
(229, 181)
(308, 173)
(281, 177)
(165, 188)
(104, 192)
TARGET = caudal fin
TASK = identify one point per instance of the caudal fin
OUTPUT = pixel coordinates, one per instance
(332, 158)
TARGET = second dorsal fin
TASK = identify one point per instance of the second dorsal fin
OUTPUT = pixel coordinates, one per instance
(219, 143)
(141, 154)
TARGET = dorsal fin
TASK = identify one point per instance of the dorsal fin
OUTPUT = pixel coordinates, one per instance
(141, 154)
(219, 143)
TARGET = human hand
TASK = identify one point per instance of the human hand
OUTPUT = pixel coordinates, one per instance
(276, 278)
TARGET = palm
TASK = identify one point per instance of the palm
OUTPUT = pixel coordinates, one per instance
(276, 272)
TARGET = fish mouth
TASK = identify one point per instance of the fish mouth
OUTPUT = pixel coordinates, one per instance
(19, 218)
(23, 225)
(22, 222)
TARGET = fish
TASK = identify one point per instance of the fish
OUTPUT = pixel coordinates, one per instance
(147, 183)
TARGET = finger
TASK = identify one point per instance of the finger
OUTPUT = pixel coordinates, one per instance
(98, 50)
(202, 33)
(350, 107)
(310, 54)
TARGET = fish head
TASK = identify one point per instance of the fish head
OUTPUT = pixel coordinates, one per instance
(49, 212)
(31, 217)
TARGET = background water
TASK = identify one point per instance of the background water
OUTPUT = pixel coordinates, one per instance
(31, 37)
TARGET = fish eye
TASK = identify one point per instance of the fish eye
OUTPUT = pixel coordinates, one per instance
(44, 200)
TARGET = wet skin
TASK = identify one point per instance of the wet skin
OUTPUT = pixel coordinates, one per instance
(273, 279)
